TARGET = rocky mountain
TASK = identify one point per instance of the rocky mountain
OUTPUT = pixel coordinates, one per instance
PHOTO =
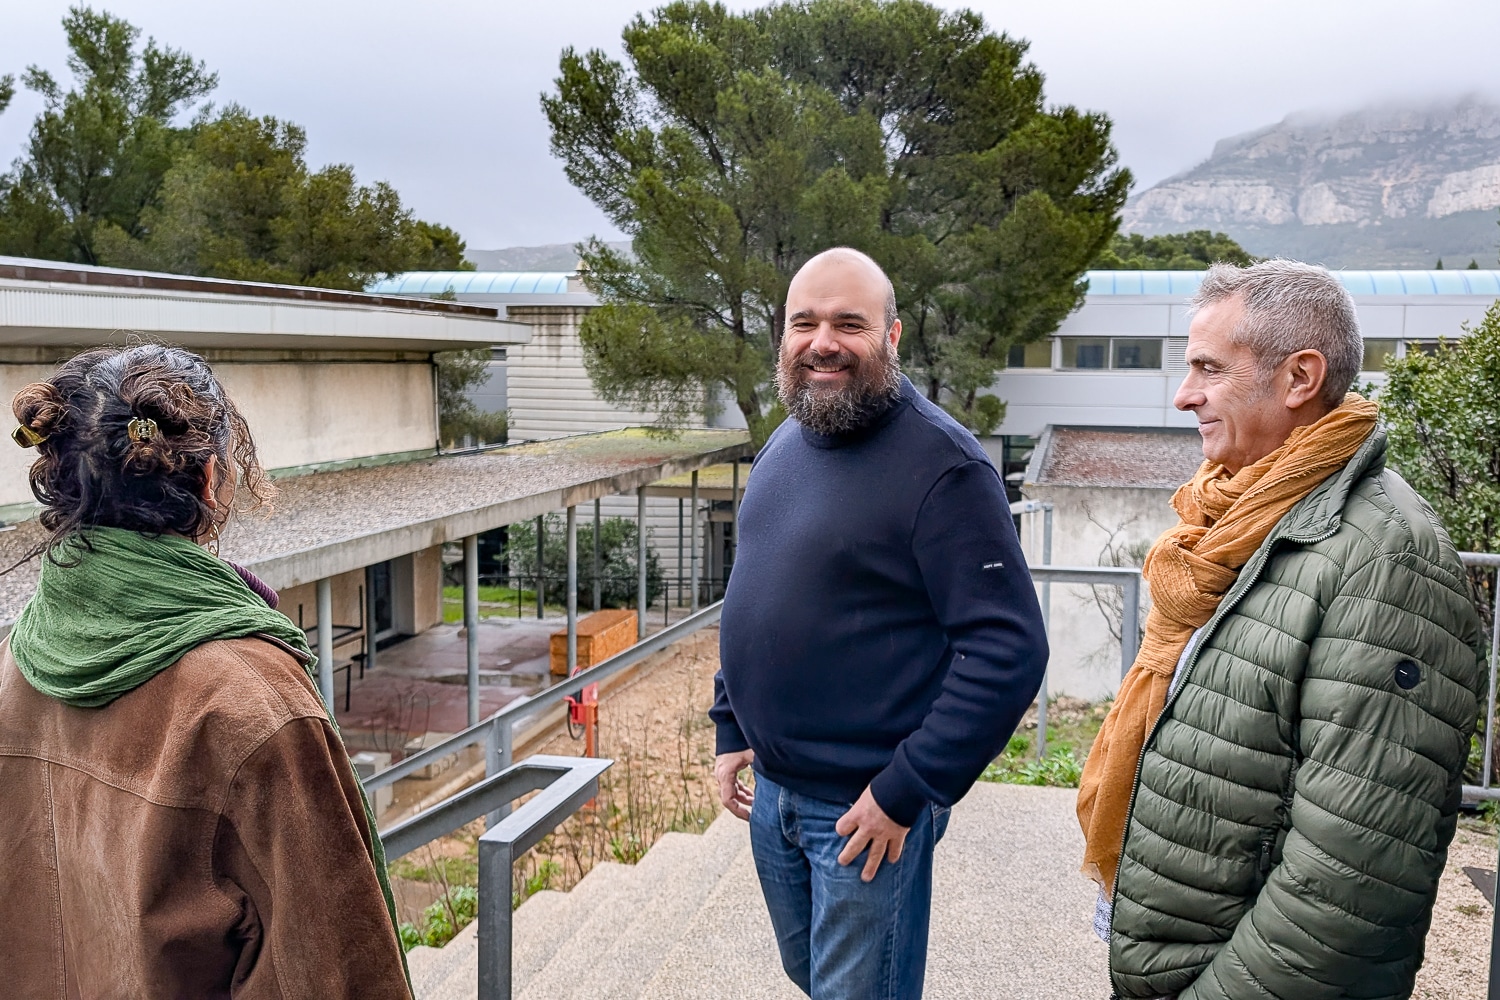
(549, 257)
(1382, 187)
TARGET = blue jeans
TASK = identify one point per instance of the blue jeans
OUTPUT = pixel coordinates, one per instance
(842, 938)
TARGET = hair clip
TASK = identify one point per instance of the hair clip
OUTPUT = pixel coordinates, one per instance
(141, 429)
(26, 437)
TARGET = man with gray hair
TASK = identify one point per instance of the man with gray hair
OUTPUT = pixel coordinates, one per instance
(1268, 806)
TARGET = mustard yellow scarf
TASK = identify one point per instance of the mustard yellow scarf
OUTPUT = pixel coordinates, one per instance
(1225, 518)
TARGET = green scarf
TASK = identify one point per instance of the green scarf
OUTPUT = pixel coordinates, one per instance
(127, 606)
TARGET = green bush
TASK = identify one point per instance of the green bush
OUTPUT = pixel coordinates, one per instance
(442, 921)
(617, 560)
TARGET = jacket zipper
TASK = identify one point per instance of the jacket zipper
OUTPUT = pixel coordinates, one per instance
(1187, 671)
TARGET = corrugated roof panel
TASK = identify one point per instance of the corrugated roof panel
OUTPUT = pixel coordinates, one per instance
(475, 283)
(1448, 283)
(1482, 282)
(1185, 283)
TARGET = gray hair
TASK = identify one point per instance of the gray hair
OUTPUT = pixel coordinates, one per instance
(1289, 307)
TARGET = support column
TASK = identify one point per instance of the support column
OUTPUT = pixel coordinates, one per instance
(598, 584)
(541, 565)
(572, 592)
(370, 625)
(325, 641)
(681, 526)
(640, 564)
(693, 542)
(471, 622)
(734, 516)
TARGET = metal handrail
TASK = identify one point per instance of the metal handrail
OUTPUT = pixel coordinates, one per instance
(1127, 578)
(564, 784)
(495, 731)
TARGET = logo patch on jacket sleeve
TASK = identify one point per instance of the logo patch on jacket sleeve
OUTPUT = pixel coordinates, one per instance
(997, 564)
(1408, 675)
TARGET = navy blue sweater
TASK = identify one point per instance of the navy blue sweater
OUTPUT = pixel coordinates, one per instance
(880, 626)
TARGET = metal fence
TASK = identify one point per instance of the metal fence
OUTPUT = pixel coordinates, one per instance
(498, 730)
(1486, 789)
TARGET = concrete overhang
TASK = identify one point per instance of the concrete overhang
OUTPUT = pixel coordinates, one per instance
(45, 304)
(334, 522)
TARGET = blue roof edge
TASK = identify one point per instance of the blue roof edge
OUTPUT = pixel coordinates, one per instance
(1459, 282)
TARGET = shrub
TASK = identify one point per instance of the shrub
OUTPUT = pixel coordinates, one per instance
(617, 560)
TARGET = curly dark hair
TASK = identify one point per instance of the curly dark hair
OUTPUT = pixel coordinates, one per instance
(102, 464)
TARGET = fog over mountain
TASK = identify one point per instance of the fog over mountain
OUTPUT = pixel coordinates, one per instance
(1381, 187)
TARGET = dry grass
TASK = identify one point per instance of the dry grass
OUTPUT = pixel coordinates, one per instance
(658, 733)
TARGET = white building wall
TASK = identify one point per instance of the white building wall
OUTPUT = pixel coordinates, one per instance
(548, 390)
(1088, 525)
(313, 413)
(300, 413)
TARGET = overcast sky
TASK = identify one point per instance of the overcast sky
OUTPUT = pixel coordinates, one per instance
(439, 97)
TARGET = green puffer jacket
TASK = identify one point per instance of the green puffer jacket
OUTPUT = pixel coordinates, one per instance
(1295, 801)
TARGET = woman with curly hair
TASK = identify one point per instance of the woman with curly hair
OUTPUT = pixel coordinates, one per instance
(179, 818)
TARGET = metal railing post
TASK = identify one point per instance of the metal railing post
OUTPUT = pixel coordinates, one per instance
(541, 565)
(325, 641)
(681, 526)
(572, 592)
(1489, 712)
(1041, 697)
(494, 914)
(640, 564)
(471, 624)
(598, 584)
(734, 516)
(497, 757)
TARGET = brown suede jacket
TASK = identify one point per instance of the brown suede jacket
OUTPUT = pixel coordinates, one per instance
(201, 836)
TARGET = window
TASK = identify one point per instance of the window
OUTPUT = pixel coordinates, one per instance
(1422, 346)
(1136, 354)
(1377, 354)
(1037, 354)
(1085, 352)
(1118, 353)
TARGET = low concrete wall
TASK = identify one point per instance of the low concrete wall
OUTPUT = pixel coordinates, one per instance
(309, 413)
(299, 412)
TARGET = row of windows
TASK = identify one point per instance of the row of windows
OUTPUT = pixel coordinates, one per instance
(1089, 353)
(1137, 354)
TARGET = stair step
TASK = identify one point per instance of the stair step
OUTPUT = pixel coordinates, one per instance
(730, 935)
(418, 958)
(458, 954)
(622, 972)
(577, 954)
(535, 929)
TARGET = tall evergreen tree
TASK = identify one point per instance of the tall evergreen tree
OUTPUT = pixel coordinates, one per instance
(735, 146)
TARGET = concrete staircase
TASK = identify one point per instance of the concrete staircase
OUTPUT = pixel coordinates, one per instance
(1011, 918)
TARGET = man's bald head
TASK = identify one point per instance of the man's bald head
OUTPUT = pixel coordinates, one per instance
(838, 367)
(842, 264)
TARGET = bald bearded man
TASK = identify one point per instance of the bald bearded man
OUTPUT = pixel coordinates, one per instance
(881, 639)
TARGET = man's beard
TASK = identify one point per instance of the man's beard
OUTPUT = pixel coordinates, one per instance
(835, 409)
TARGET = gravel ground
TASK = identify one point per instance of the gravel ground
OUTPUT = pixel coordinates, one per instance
(330, 507)
(1458, 947)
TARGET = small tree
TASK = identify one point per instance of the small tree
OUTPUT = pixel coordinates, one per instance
(617, 560)
(1442, 414)
(1192, 251)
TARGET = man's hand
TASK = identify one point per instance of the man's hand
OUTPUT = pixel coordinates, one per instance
(867, 825)
(734, 793)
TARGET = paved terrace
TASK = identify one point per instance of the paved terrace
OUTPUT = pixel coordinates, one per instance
(329, 523)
